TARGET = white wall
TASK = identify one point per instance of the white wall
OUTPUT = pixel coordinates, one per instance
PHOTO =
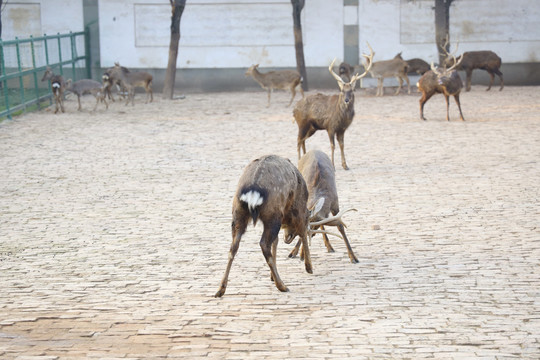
(218, 33)
(510, 28)
(37, 17)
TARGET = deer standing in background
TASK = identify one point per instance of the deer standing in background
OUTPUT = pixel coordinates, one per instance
(396, 67)
(441, 81)
(345, 70)
(333, 113)
(58, 86)
(318, 172)
(272, 190)
(417, 66)
(131, 80)
(485, 60)
(282, 79)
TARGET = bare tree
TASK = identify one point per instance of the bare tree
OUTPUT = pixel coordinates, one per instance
(177, 8)
(442, 27)
(297, 6)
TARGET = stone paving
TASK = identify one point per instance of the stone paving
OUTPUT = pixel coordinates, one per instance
(115, 229)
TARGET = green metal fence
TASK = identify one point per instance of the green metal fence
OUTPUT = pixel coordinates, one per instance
(23, 62)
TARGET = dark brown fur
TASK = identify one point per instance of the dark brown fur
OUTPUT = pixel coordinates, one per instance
(417, 66)
(284, 197)
(58, 86)
(485, 60)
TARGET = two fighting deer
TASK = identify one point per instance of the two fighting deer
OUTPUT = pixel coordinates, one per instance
(272, 190)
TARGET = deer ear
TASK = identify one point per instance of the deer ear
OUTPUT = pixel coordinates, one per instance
(318, 206)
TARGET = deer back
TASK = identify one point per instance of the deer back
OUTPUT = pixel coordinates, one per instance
(318, 172)
(84, 86)
(324, 111)
(388, 68)
(279, 79)
(282, 189)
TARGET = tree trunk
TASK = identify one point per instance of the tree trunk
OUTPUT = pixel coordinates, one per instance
(442, 27)
(170, 76)
(298, 5)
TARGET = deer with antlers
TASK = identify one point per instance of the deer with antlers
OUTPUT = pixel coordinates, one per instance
(333, 113)
(318, 172)
(441, 81)
(271, 189)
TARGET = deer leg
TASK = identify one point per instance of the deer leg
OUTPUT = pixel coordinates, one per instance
(446, 97)
(149, 90)
(380, 87)
(269, 236)
(456, 97)
(500, 75)
(425, 97)
(269, 92)
(329, 247)
(332, 147)
(353, 257)
(294, 251)
(293, 92)
(307, 255)
(408, 84)
(400, 80)
(491, 79)
(340, 138)
(468, 74)
(301, 90)
(79, 101)
(238, 229)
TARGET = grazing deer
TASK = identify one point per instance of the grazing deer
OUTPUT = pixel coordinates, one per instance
(485, 60)
(282, 79)
(441, 81)
(417, 66)
(58, 86)
(396, 67)
(333, 113)
(272, 190)
(130, 80)
(318, 172)
(87, 86)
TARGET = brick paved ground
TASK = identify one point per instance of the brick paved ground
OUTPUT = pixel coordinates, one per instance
(115, 228)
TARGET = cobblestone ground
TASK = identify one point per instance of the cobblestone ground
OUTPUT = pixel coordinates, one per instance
(115, 230)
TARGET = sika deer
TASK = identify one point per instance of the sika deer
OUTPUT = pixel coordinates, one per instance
(417, 66)
(272, 190)
(111, 78)
(87, 86)
(318, 172)
(282, 79)
(345, 71)
(131, 80)
(485, 60)
(440, 81)
(58, 86)
(333, 113)
(396, 67)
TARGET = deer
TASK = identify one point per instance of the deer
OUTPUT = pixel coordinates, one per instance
(58, 86)
(109, 79)
(271, 189)
(485, 60)
(417, 66)
(396, 67)
(130, 80)
(441, 81)
(280, 79)
(333, 113)
(318, 172)
(345, 71)
(87, 86)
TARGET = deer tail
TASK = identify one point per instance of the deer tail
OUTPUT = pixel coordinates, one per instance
(253, 197)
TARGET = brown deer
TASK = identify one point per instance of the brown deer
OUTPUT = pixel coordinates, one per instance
(333, 113)
(441, 81)
(131, 80)
(111, 79)
(417, 66)
(271, 189)
(396, 67)
(58, 86)
(87, 86)
(281, 79)
(345, 71)
(318, 172)
(485, 60)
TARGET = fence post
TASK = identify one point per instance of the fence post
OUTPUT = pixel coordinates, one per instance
(4, 83)
(34, 72)
(73, 54)
(21, 85)
(87, 52)
(60, 54)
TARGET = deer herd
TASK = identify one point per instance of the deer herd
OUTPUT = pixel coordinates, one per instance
(303, 200)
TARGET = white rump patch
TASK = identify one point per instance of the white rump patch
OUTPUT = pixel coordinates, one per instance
(252, 198)
(56, 85)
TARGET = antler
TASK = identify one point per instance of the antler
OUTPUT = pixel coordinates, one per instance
(331, 218)
(452, 54)
(369, 60)
(336, 76)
